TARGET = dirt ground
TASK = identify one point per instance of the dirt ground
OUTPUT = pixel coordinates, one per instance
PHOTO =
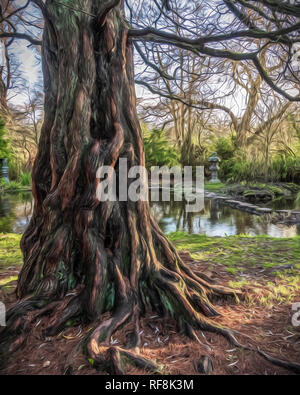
(269, 327)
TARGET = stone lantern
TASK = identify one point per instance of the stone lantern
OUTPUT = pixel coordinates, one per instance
(4, 170)
(214, 160)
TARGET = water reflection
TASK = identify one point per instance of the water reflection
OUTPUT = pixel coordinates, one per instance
(283, 203)
(15, 212)
(215, 219)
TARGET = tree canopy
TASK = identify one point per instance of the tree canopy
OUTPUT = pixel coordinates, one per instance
(238, 30)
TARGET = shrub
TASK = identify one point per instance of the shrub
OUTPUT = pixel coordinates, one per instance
(224, 148)
(281, 169)
(158, 151)
(12, 186)
(4, 143)
(25, 179)
(285, 168)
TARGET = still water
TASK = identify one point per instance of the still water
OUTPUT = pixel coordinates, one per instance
(15, 212)
(214, 220)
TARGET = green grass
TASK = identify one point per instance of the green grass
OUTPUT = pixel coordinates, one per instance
(250, 254)
(10, 258)
(237, 253)
(10, 253)
(14, 186)
(7, 280)
(25, 179)
(234, 251)
(238, 284)
(213, 187)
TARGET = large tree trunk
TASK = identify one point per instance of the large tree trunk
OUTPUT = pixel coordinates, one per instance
(83, 257)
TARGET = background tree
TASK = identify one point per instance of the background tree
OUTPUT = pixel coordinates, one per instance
(22, 120)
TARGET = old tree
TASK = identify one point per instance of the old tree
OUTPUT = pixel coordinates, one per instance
(82, 257)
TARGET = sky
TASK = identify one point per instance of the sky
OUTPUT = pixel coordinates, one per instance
(28, 66)
(30, 69)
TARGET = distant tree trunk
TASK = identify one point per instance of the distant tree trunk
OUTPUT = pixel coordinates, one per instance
(83, 258)
(3, 90)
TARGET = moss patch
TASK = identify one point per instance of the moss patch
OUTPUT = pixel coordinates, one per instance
(214, 187)
(256, 192)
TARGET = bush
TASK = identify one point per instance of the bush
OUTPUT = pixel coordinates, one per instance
(224, 148)
(15, 168)
(13, 186)
(25, 179)
(9, 186)
(14, 163)
(158, 151)
(238, 166)
(4, 143)
(285, 168)
(298, 201)
(281, 169)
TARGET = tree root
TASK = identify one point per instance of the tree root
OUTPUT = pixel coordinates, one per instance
(294, 367)
(180, 293)
(22, 316)
(114, 360)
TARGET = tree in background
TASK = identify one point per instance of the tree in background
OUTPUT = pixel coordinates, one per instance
(196, 95)
(23, 121)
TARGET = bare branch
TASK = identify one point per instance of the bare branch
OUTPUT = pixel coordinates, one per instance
(22, 36)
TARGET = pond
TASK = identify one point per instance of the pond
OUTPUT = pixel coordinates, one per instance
(15, 212)
(215, 219)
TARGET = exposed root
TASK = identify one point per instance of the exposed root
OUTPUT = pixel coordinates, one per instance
(65, 311)
(170, 288)
(114, 360)
(140, 362)
(19, 320)
(183, 293)
(292, 366)
(229, 335)
(23, 315)
(111, 358)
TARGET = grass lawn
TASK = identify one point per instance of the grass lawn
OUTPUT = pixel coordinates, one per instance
(268, 268)
(241, 256)
(10, 259)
